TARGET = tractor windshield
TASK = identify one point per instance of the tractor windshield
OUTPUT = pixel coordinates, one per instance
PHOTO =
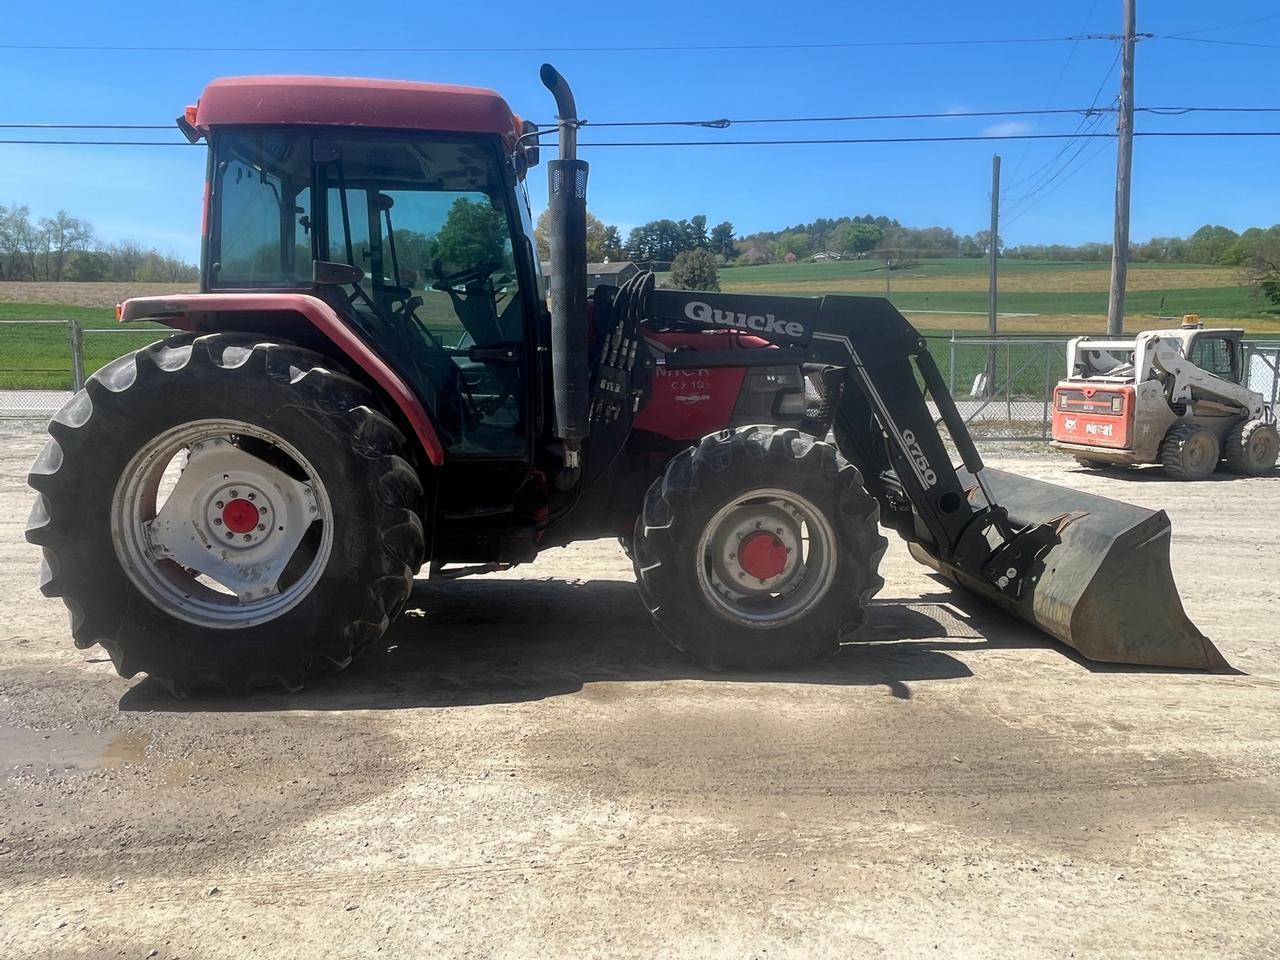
(427, 221)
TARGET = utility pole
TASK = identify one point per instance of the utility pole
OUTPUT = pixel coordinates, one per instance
(1124, 172)
(993, 253)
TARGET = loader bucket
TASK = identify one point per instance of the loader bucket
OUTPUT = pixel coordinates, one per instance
(1106, 588)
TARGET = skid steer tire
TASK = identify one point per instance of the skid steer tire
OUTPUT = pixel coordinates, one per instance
(735, 488)
(1252, 448)
(1189, 452)
(246, 391)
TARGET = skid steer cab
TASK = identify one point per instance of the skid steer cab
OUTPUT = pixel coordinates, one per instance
(374, 379)
(1176, 397)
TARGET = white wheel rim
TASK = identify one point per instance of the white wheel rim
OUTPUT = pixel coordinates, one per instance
(244, 531)
(783, 592)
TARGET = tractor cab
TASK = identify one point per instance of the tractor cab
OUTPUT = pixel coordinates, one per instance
(419, 238)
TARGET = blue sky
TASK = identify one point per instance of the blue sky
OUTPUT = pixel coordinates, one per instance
(152, 194)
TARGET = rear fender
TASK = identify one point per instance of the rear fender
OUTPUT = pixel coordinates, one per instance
(228, 311)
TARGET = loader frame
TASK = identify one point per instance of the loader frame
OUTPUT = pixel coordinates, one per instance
(883, 424)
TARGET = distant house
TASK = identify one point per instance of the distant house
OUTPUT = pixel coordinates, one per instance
(602, 274)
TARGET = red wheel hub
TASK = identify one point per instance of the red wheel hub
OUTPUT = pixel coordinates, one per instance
(240, 516)
(762, 555)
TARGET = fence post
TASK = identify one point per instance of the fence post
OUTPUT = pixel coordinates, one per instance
(951, 371)
(1008, 382)
(77, 355)
(1275, 377)
(1046, 392)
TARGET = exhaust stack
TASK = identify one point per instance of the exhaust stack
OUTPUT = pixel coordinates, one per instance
(567, 201)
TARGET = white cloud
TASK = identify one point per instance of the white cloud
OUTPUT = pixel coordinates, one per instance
(1008, 128)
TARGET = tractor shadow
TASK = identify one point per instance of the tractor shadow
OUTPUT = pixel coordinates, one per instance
(1153, 473)
(470, 642)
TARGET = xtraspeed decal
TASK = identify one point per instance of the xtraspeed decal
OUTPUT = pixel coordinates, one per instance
(702, 312)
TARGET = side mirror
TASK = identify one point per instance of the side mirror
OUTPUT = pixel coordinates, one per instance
(327, 272)
(529, 131)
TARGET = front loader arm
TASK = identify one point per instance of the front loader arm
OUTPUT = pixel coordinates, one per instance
(885, 426)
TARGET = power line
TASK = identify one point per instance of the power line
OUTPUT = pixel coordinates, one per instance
(1084, 122)
(722, 123)
(86, 126)
(1225, 43)
(1026, 147)
(719, 124)
(750, 143)
(1185, 34)
(835, 45)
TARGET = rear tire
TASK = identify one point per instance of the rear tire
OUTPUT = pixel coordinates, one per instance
(1252, 448)
(275, 412)
(738, 486)
(1189, 452)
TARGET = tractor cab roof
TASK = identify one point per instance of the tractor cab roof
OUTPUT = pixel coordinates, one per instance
(353, 102)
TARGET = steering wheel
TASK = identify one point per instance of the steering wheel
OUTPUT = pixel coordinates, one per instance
(465, 278)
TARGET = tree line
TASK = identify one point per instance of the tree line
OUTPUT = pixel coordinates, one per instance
(63, 247)
(1211, 244)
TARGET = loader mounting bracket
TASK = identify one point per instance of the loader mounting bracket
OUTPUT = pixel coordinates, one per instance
(1011, 566)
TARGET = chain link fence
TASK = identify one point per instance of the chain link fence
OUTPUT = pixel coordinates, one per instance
(42, 362)
(1002, 386)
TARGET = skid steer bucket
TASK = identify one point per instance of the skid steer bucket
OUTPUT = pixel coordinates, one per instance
(1105, 588)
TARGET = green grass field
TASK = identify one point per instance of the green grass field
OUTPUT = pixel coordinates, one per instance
(941, 297)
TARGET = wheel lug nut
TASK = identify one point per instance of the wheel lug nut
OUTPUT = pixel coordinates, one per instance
(733, 556)
(235, 493)
(230, 534)
(262, 509)
(218, 504)
(253, 496)
(263, 527)
(247, 538)
(217, 521)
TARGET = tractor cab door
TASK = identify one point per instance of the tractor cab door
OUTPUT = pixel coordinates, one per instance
(430, 222)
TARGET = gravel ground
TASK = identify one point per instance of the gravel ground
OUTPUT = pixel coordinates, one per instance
(523, 768)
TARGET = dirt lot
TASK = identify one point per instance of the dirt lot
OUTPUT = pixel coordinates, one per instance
(524, 769)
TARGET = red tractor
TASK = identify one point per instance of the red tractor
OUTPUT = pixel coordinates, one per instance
(373, 379)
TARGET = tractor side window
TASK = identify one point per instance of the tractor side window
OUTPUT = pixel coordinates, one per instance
(262, 208)
(349, 228)
(428, 223)
(1214, 355)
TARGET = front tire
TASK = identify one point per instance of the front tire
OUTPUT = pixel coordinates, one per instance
(758, 548)
(221, 511)
(1252, 448)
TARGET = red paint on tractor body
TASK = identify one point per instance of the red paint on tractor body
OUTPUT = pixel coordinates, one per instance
(222, 311)
(354, 103)
(688, 404)
(762, 555)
